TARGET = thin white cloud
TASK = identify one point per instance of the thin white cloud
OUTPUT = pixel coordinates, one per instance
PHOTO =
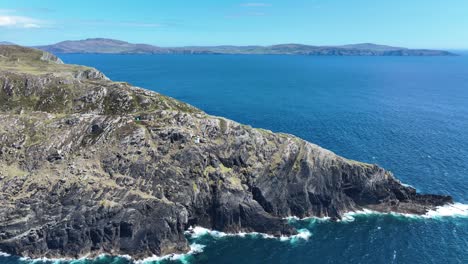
(100, 22)
(255, 4)
(19, 22)
(139, 24)
(249, 14)
(4, 11)
(26, 9)
(30, 25)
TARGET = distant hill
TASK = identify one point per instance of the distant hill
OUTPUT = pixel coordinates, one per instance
(6, 43)
(101, 45)
(370, 46)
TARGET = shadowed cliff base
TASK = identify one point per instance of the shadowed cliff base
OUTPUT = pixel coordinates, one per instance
(90, 166)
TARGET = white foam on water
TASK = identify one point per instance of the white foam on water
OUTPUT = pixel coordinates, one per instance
(407, 185)
(450, 210)
(194, 249)
(349, 216)
(70, 260)
(128, 257)
(57, 260)
(196, 232)
(292, 218)
(302, 234)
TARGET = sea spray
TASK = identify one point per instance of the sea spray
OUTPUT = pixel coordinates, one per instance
(184, 258)
(450, 210)
(60, 260)
(104, 258)
(447, 211)
(197, 232)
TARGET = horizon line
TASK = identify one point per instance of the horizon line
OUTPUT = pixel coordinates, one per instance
(238, 45)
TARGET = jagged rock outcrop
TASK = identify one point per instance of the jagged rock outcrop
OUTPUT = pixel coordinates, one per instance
(91, 166)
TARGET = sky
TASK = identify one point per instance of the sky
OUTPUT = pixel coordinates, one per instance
(407, 23)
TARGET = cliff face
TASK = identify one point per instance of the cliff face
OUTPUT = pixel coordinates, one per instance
(91, 166)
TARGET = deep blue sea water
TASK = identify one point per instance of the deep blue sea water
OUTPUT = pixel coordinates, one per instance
(407, 114)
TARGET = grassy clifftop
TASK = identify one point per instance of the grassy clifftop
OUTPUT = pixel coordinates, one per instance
(34, 80)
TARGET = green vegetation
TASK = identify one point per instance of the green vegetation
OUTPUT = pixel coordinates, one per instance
(36, 62)
(264, 131)
(235, 182)
(222, 125)
(57, 89)
(223, 169)
(107, 204)
(208, 170)
(12, 171)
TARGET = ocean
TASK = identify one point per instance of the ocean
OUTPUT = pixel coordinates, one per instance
(406, 114)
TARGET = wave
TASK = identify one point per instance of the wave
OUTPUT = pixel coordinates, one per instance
(197, 232)
(84, 260)
(407, 185)
(194, 249)
(58, 260)
(309, 218)
(450, 210)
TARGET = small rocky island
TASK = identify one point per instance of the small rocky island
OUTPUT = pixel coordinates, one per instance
(91, 166)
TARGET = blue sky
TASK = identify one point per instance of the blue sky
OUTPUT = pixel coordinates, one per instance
(409, 23)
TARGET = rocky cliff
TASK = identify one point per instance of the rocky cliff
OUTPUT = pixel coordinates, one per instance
(91, 166)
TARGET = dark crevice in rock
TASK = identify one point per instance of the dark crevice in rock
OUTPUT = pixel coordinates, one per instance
(257, 196)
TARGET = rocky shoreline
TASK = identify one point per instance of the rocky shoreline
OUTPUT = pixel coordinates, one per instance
(90, 166)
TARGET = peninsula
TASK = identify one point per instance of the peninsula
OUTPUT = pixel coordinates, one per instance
(91, 166)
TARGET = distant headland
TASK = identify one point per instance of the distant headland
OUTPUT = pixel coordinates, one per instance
(111, 46)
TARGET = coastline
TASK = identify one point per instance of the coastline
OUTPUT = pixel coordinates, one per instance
(456, 210)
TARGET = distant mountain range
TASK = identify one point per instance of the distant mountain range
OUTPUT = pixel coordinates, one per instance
(111, 46)
(101, 45)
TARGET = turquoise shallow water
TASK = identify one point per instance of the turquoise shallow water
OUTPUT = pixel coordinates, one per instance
(407, 114)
